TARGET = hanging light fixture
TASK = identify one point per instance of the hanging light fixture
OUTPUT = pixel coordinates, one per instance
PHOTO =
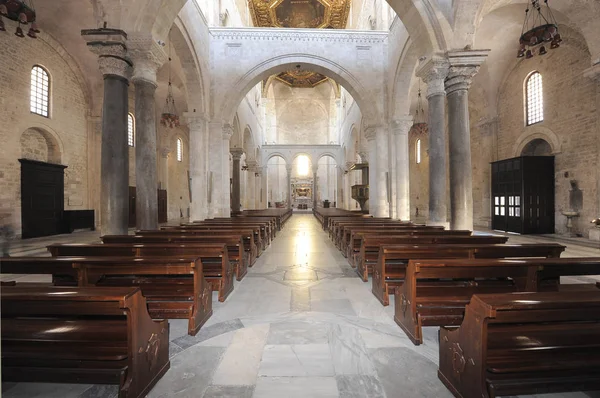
(22, 12)
(419, 126)
(169, 117)
(539, 27)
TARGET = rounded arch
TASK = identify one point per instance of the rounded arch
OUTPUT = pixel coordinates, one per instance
(275, 65)
(296, 155)
(280, 155)
(42, 144)
(404, 79)
(532, 133)
(328, 154)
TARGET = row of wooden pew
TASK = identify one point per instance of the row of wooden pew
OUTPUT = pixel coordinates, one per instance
(508, 326)
(104, 317)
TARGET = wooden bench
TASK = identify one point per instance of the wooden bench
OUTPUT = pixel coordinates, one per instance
(527, 343)
(235, 246)
(175, 288)
(346, 232)
(370, 244)
(82, 335)
(435, 292)
(262, 231)
(390, 269)
(246, 235)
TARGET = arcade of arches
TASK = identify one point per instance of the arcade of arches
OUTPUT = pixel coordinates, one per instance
(276, 109)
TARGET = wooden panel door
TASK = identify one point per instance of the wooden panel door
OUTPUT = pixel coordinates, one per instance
(42, 198)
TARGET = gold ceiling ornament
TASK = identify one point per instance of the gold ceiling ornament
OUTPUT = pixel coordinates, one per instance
(319, 14)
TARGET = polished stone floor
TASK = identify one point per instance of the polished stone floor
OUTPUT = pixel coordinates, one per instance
(300, 324)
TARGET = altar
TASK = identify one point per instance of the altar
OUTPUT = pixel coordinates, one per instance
(302, 193)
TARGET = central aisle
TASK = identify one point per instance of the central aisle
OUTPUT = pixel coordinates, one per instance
(300, 324)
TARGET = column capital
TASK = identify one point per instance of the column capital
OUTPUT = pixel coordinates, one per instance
(111, 48)
(227, 131)
(349, 165)
(364, 154)
(402, 125)
(433, 70)
(147, 56)
(236, 153)
(315, 169)
(464, 65)
(252, 165)
(195, 120)
(371, 132)
(289, 168)
(593, 72)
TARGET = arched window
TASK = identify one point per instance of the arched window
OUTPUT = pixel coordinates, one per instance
(179, 150)
(40, 91)
(535, 98)
(130, 130)
(418, 151)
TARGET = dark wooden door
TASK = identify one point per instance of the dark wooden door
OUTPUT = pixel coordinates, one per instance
(42, 198)
(162, 205)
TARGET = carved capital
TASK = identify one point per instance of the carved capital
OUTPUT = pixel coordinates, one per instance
(464, 65)
(164, 152)
(236, 153)
(371, 132)
(227, 131)
(252, 165)
(147, 56)
(195, 121)
(289, 168)
(364, 154)
(110, 47)
(401, 126)
(434, 70)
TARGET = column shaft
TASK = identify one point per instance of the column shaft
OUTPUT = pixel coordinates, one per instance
(437, 160)
(315, 188)
(146, 182)
(372, 153)
(401, 128)
(115, 157)
(461, 179)
(289, 186)
(236, 205)
(264, 187)
(199, 205)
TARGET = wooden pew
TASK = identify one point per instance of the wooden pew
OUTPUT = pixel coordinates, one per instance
(264, 229)
(435, 292)
(346, 232)
(175, 288)
(246, 235)
(527, 343)
(390, 269)
(82, 335)
(370, 244)
(338, 225)
(235, 245)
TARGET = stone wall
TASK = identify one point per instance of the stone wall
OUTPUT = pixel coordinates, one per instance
(61, 138)
(569, 126)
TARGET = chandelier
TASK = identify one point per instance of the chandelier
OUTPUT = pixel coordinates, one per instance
(20, 11)
(539, 27)
(169, 117)
(419, 126)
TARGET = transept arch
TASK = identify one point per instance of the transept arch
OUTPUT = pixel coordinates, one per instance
(532, 133)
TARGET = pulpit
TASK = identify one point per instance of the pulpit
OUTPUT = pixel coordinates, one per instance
(360, 193)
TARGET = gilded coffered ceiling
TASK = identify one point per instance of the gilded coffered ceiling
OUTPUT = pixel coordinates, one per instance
(316, 14)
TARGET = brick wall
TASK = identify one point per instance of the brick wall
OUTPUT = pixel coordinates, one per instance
(61, 138)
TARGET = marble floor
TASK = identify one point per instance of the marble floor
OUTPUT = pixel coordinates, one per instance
(300, 324)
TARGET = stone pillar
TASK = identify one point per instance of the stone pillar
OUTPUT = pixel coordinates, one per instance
(433, 71)
(163, 170)
(226, 184)
(236, 205)
(400, 129)
(264, 187)
(378, 167)
(315, 169)
(463, 66)
(250, 184)
(199, 204)
(594, 74)
(392, 173)
(218, 161)
(147, 56)
(109, 45)
(257, 186)
(288, 169)
(348, 187)
(340, 200)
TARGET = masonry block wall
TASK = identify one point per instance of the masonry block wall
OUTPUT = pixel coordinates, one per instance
(569, 126)
(60, 138)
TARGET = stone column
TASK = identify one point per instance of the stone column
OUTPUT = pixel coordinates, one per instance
(340, 200)
(400, 129)
(433, 71)
(393, 195)
(348, 187)
(163, 176)
(257, 186)
(147, 56)
(378, 167)
(236, 206)
(199, 204)
(594, 74)
(315, 169)
(226, 185)
(264, 187)
(463, 66)
(215, 169)
(251, 184)
(109, 45)
(288, 169)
